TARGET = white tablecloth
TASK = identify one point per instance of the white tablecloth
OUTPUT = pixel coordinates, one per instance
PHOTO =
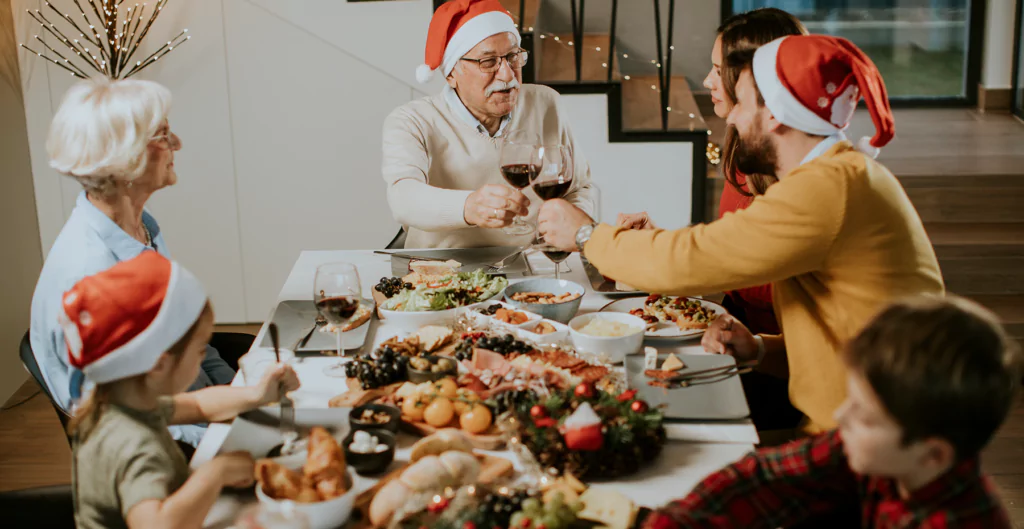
(694, 449)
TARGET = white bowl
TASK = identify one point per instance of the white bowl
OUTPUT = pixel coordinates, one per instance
(329, 514)
(612, 348)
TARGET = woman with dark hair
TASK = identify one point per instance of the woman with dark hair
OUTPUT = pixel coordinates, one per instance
(750, 30)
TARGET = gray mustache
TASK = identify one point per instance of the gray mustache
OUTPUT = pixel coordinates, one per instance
(500, 85)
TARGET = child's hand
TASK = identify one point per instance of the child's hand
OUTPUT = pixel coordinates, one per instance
(277, 381)
(237, 469)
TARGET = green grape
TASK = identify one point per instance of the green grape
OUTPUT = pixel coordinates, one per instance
(532, 506)
(551, 521)
(556, 502)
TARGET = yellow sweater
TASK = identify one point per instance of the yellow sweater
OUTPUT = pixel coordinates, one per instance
(837, 238)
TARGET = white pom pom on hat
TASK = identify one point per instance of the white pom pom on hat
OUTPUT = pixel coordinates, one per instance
(424, 74)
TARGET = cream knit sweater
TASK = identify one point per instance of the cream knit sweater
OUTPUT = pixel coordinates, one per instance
(433, 160)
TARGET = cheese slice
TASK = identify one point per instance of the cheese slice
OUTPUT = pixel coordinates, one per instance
(672, 363)
(433, 337)
(608, 508)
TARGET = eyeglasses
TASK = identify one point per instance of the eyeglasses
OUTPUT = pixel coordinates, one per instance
(516, 59)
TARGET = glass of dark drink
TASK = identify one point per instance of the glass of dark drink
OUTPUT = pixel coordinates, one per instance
(337, 294)
(519, 163)
(554, 181)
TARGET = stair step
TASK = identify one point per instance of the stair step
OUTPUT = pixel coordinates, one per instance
(642, 105)
(557, 59)
(961, 240)
(956, 202)
(983, 275)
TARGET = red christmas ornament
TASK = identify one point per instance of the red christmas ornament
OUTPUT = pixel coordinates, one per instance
(469, 525)
(525, 524)
(586, 439)
(438, 506)
(538, 412)
(585, 391)
(626, 395)
(639, 406)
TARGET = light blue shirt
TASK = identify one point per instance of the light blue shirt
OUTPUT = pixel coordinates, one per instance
(459, 108)
(89, 243)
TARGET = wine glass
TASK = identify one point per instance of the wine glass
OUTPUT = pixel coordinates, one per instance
(554, 181)
(337, 294)
(519, 165)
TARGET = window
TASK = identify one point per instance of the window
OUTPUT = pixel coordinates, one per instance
(920, 46)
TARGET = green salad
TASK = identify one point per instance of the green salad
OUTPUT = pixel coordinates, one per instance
(448, 292)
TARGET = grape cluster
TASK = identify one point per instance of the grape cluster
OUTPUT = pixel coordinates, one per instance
(379, 368)
(491, 310)
(515, 400)
(496, 510)
(505, 345)
(389, 286)
(554, 514)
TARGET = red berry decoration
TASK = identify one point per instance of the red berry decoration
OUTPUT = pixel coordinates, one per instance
(639, 406)
(545, 422)
(525, 524)
(538, 411)
(626, 396)
(585, 391)
(469, 525)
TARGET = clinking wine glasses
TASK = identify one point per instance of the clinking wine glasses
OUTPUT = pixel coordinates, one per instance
(554, 180)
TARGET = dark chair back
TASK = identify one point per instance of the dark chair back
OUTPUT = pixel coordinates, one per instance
(398, 243)
(38, 508)
(29, 361)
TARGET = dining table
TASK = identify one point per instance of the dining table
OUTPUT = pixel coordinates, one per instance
(694, 449)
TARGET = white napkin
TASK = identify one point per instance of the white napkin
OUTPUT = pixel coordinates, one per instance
(735, 432)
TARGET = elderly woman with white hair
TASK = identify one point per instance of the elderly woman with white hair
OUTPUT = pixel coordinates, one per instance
(113, 137)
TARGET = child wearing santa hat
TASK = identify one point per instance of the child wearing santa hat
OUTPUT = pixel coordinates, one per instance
(138, 331)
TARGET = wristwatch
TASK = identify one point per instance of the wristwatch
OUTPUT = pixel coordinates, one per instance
(583, 235)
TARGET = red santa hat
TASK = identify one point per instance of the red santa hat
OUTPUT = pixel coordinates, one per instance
(812, 83)
(457, 27)
(117, 323)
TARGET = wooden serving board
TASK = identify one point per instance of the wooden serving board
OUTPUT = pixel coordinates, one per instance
(492, 469)
(491, 440)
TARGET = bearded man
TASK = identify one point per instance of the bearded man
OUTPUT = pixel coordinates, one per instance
(441, 153)
(837, 236)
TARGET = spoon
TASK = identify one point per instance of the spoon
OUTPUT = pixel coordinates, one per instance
(288, 431)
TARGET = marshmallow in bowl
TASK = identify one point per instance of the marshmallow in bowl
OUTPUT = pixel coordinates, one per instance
(364, 443)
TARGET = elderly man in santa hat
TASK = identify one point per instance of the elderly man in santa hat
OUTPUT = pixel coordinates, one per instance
(837, 236)
(441, 153)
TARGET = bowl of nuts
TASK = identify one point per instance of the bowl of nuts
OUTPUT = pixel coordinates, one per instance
(430, 368)
(375, 416)
(554, 299)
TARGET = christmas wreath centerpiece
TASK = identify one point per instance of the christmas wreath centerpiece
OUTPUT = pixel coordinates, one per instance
(590, 433)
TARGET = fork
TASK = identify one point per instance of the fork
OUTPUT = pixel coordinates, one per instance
(518, 251)
(289, 433)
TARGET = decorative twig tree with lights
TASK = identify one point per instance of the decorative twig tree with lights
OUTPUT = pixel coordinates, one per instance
(107, 39)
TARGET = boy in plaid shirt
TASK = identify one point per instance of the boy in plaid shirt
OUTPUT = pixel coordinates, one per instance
(929, 382)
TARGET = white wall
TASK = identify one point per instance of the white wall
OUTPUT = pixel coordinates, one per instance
(632, 177)
(280, 106)
(997, 62)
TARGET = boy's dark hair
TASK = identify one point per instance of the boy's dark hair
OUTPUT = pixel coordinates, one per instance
(740, 60)
(942, 367)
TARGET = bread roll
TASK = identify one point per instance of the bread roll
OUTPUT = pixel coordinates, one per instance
(427, 473)
(388, 499)
(440, 442)
(463, 467)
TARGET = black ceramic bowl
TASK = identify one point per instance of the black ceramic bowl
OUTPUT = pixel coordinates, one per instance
(374, 463)
(391, 426)
(417, 376)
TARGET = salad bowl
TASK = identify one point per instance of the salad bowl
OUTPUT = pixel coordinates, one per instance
(437, 301)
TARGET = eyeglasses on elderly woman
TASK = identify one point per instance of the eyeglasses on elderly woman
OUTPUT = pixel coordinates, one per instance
(515, 59)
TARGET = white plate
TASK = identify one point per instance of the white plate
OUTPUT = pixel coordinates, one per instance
(663, 330)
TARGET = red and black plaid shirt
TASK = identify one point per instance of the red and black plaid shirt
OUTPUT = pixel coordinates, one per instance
(808, 479)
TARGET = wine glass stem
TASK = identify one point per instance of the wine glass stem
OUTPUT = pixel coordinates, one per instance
(557, 266)
(341, 352)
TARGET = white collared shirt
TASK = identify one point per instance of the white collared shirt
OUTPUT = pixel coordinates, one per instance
(457, 106)
(823, 146)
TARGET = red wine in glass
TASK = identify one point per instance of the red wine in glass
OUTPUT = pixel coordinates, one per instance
(550, 189)
(339, 309)
(557, 256)
(519, 175)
